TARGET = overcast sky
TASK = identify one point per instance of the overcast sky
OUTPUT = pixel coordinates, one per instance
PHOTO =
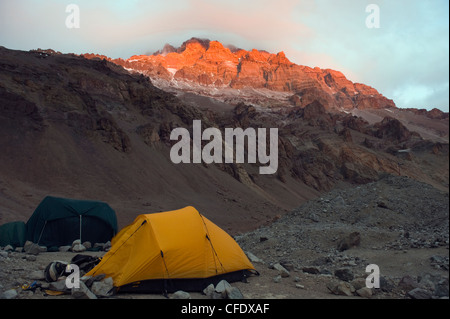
(406, 58)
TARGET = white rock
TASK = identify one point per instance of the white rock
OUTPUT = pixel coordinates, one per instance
(83, 292)
(253, 258)
(78, 248)
(222, 286)
(9, 294)
(180, 294)
(233, 293)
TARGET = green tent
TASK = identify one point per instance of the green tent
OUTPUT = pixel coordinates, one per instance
(60, 221)
(12, 234)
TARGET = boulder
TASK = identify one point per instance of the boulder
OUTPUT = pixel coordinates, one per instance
(103, 288)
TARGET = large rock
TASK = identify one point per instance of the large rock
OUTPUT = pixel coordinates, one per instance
(83, 292)
(103, 288)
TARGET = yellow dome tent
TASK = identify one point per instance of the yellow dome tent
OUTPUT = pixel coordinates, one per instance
(169, 251)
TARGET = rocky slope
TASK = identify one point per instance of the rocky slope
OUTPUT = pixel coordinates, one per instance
(87, 128)
(318, 250)
(397, 223)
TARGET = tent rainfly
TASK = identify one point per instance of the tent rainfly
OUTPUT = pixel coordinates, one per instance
(60, 221)
(13, 234)
(169, 251)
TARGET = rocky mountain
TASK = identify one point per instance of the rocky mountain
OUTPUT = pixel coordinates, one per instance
(89, 127)
(211, 68)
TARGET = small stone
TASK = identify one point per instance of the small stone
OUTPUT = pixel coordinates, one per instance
(31, 248)
(364, 292)
(64, 249)
(87, 244)
(208, 291)
(419, 293)
(299, 286)
(234, 293)
(342, 288)
(9, 294)
(222, 287)
(382, 205)
(78, 248)
(441, 288)
(358, 283)
(180, 294)
(107, 246)
(253, 258)
(37, 275)
(386, 284)
(283, 271)
(311, 270)
(59, 285)
(83, 292)
(349, 241)
(344, 274)
(30, 258)
(103, 288)
(277, 279)
(345, 288)
(89, 280)
(407, 283)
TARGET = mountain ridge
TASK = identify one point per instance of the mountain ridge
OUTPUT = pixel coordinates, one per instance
(213, 66)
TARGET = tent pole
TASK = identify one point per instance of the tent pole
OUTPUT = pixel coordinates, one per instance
(80, 228)
(42, 231)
